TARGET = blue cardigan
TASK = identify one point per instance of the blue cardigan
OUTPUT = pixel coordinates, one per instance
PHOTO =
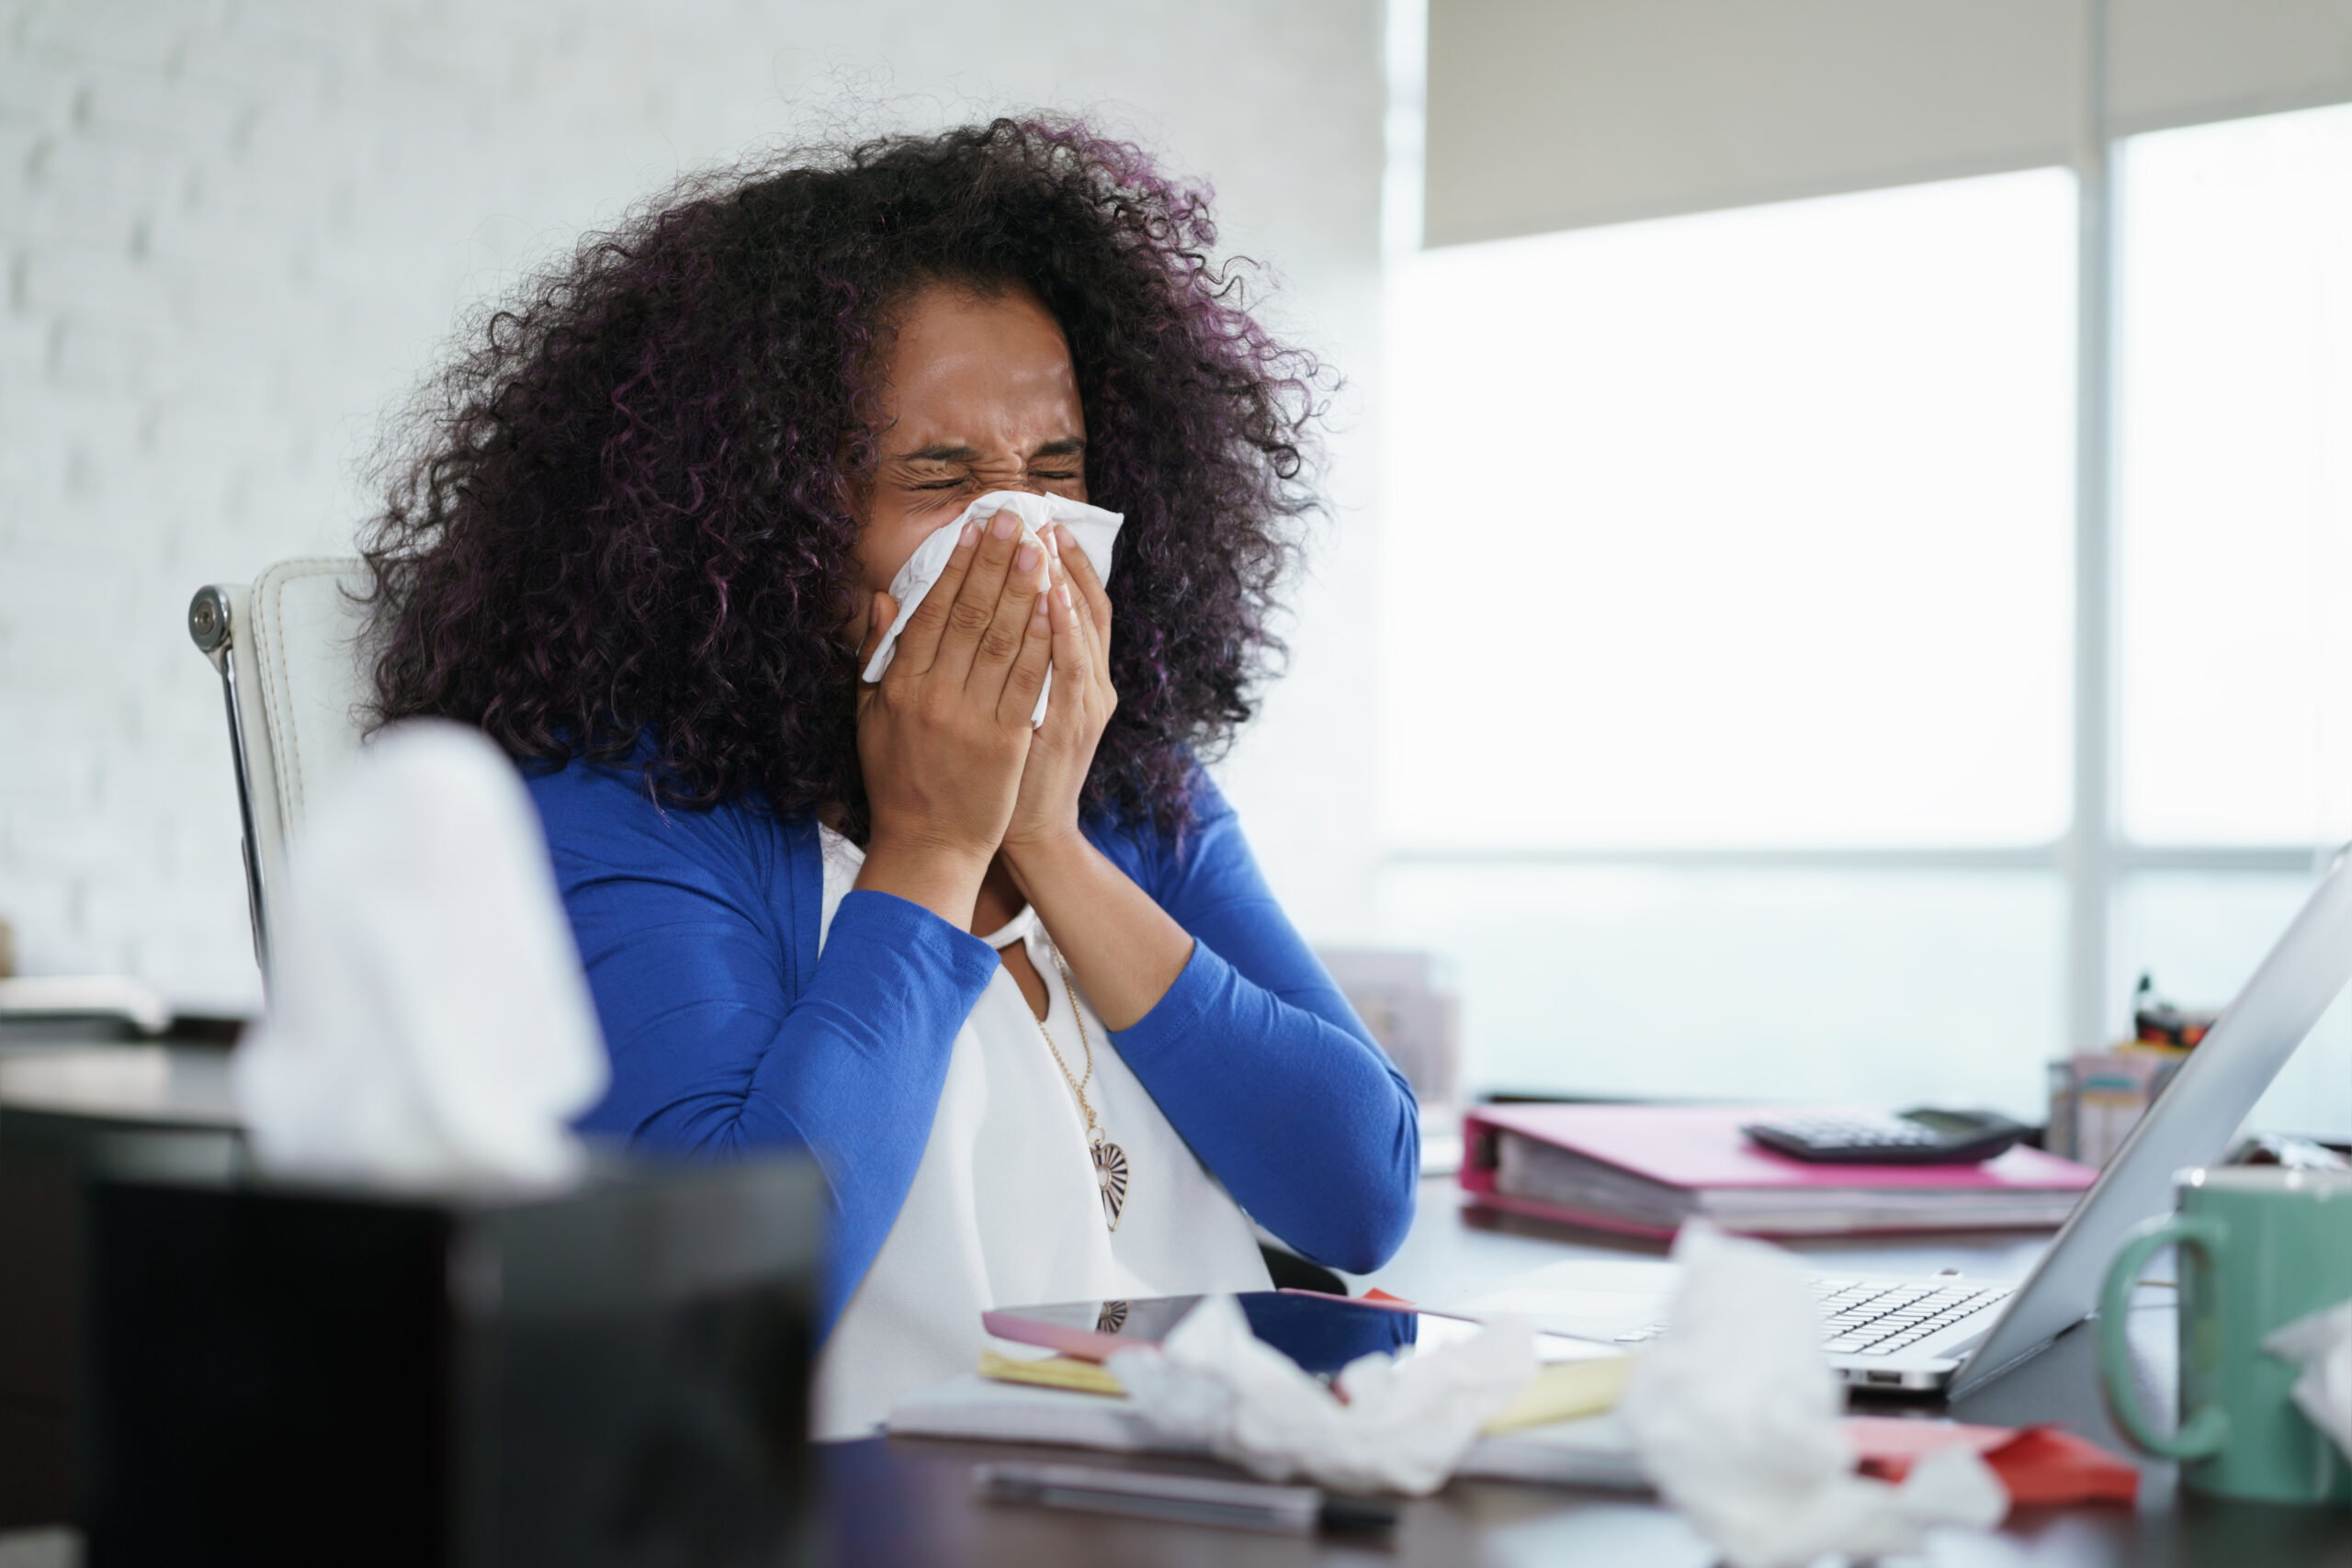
(728, 1033)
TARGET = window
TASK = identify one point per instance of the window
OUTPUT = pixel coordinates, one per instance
(1768, 515)
(1880, 985)
(1771, 511)
(2233, 555)
(2234, 514)
(1764, 521)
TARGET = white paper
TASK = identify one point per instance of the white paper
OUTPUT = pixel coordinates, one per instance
(1404, 1427)
(1095, 529)
(2320, 1343)
(1590, 1451)
(429, 1024)
(1734, 1409)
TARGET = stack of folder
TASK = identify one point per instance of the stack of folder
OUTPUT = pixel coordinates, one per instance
(1643, 1169)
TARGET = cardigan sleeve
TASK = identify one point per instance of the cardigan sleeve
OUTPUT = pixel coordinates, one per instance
(719, 1045)
(1258, 1061)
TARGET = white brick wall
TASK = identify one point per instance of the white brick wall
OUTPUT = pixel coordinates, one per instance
(233, 233)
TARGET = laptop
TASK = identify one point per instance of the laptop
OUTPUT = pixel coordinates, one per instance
(1942, 1333)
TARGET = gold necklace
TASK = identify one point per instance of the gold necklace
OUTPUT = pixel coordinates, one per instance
(1109, 1160)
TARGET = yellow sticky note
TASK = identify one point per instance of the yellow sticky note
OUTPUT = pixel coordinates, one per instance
(1559, 1393)
(1562, 1391)
(1051, 1371)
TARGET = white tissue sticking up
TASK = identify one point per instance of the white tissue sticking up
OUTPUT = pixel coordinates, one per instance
(428, 1024)
(1733, 1413)
(2320, 1343)
(1095, 529)
(1404, 1427)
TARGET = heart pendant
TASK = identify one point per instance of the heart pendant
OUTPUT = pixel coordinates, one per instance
(1111, 1179)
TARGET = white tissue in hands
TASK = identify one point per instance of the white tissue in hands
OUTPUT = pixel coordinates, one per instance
(1404, 1427)
(1095, 529)
(428, 1021)
(2320, 1343)
(1734, 1411)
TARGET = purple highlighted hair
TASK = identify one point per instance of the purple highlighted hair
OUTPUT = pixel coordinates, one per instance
(622, 512)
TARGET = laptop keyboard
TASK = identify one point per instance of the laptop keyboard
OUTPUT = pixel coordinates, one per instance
(1878, 1317)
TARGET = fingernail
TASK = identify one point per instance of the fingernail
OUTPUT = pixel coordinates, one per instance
(1045, 604)
(1026, 558)
(1064, 592)
(1004, 525)
(1054, 539)
(971, 532)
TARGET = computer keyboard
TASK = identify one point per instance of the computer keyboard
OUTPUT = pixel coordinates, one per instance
(1878, 1317)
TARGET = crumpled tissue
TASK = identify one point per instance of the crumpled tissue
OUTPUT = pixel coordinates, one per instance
(1734, 1411)
(2320, 1343)
(1095, 529)
(1404, 1427)
(428, 1021)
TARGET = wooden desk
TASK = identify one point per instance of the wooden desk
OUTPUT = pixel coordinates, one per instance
(908, 1500)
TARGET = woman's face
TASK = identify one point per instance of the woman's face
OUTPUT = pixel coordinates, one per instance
(978, 394)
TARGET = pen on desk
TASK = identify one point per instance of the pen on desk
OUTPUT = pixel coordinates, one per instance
(1182, 1499)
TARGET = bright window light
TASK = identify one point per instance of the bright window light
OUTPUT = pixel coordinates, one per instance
(2234, 538)
(1744, 528)
(1750, 530)
(1884, 988)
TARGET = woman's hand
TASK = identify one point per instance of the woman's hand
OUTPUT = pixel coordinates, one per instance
(943, 736)
(1045, 816)
(1123, 948)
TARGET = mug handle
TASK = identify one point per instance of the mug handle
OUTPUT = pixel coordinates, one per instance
(2204, 1431)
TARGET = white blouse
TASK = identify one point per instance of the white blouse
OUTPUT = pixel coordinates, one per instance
(1005, 1210)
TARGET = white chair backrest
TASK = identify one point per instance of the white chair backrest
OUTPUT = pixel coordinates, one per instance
(296, 679)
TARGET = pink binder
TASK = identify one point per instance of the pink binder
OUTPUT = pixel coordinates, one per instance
(1699, 1151)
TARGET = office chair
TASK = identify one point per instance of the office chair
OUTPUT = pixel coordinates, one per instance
(288, 652)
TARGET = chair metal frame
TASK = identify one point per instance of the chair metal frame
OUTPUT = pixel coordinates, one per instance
(212, 620)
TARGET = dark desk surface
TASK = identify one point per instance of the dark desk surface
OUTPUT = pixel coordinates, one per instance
(906, 1500)
(61, 1104)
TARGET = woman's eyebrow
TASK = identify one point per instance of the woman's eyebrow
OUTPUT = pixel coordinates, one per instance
(941, 452)
(960, 452)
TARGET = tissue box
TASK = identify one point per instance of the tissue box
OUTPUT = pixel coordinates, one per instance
(616, 1375)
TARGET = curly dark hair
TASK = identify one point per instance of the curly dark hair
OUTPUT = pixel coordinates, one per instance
(620, 519)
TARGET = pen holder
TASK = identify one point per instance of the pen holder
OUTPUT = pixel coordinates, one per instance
(616, 1375)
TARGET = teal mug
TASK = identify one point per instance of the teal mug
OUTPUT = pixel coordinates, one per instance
(2260, 1247)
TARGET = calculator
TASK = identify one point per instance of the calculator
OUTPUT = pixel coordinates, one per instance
(1921, 1136)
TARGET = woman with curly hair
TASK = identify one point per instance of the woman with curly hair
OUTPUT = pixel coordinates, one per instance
(1018, 987)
